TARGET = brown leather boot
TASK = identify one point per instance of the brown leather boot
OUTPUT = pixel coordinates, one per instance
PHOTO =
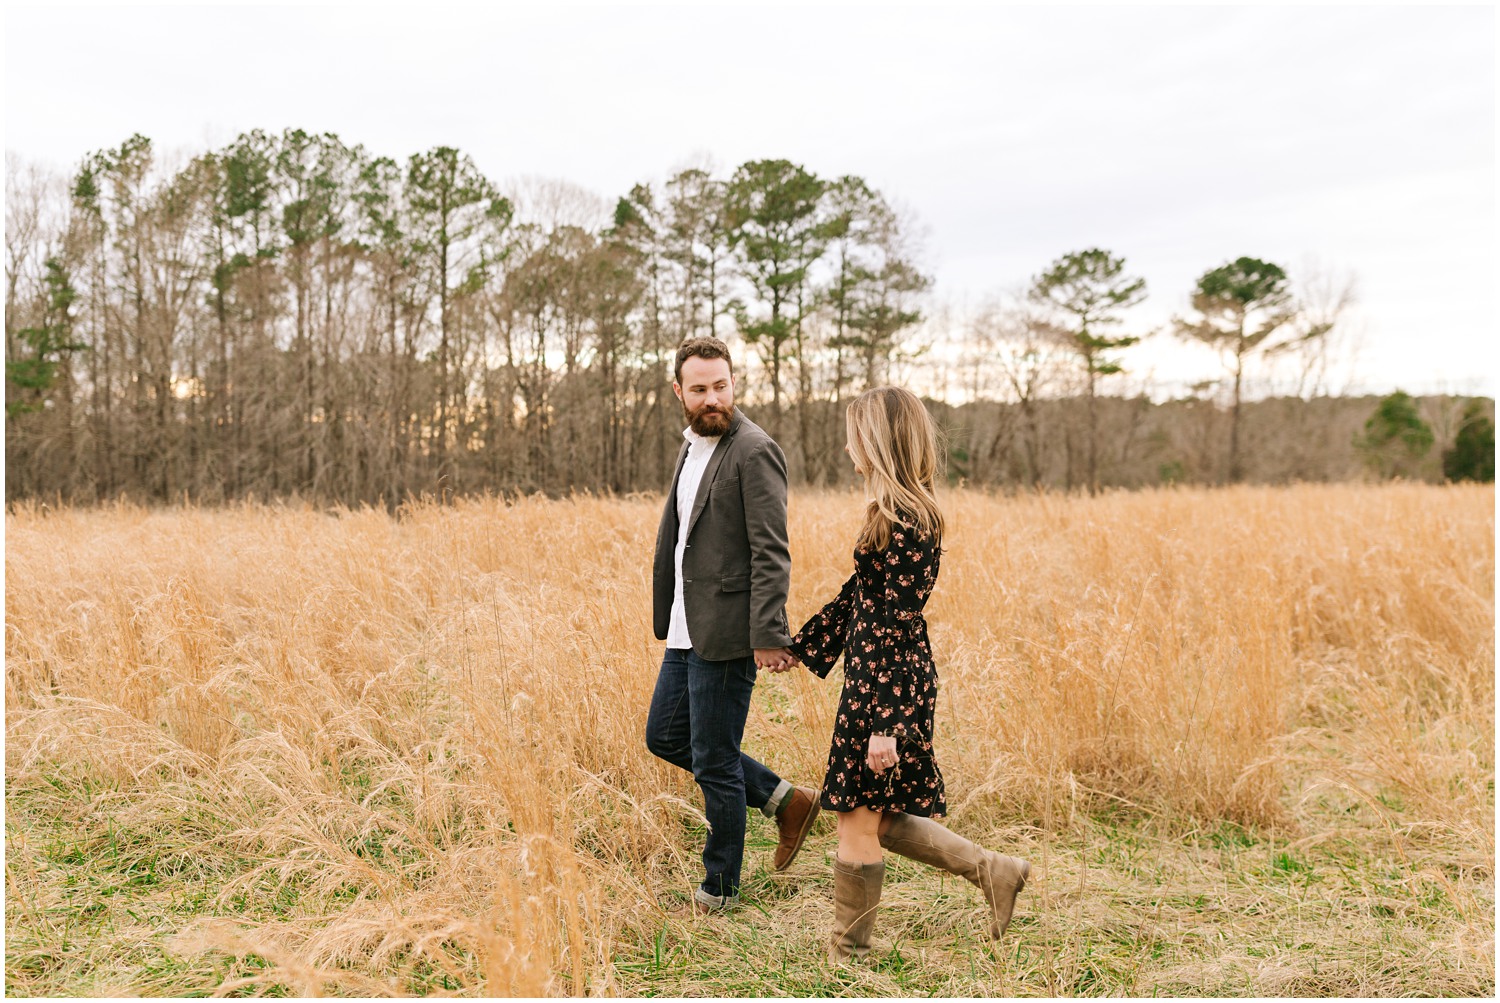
(856, 894)
(998, 876)
(793, 822)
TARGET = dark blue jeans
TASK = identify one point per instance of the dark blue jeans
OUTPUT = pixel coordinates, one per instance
(696, 722)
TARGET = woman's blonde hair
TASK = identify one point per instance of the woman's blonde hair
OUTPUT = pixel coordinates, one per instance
(893, 440)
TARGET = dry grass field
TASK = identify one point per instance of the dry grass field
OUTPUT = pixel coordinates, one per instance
(1246, 738)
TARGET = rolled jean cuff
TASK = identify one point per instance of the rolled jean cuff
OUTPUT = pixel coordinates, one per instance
(773, 803)
(715, 901)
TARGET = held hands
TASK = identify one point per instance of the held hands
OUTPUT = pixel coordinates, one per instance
(775, 659)
(882, 754)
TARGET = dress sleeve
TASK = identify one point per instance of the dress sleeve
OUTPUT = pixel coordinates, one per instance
(907, 564)
(821, 640)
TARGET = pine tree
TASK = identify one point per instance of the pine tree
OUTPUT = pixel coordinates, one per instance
(1472, 455)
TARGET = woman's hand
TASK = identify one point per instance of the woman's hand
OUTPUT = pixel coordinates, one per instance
(775, 659)
(882, 754)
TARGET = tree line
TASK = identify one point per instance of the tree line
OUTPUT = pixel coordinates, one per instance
(292, 315)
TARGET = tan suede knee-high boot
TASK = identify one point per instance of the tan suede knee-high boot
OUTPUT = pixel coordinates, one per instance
(856, 894)
(998, 876)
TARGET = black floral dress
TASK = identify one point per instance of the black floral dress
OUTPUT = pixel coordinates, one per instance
(890, 683)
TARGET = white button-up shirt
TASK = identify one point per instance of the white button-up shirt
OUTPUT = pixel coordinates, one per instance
(700, 449)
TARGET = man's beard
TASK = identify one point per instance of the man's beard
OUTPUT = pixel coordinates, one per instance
(709, 421)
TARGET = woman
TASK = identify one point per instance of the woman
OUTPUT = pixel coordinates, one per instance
(882, 779)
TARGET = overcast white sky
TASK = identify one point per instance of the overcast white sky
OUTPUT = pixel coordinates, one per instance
(1180, 137)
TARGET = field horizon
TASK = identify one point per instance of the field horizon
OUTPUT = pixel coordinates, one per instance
(1245, 736)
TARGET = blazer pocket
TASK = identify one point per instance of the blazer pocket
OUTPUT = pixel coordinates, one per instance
(734, 583)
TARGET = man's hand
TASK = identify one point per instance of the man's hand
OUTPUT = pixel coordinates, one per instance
(775, 659)
(882, 755)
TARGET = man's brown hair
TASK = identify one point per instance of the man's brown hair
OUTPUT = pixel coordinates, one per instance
(703, 348)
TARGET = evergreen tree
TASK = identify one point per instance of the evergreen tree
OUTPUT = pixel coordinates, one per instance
(1088, 289)
(457, 219)
(1395, 438)
(1472, 455)
(30, 377)
(1243, 306)
(775, 225)
(873, 290)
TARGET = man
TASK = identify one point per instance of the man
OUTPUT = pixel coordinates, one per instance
(720, 579)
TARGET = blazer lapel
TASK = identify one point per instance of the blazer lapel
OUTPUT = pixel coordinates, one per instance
(712, 469)
(670, 515)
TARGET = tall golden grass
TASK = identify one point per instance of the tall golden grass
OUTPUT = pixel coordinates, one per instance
(1246, 736)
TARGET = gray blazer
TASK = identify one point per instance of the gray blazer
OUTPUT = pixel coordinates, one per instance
(737, 566)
